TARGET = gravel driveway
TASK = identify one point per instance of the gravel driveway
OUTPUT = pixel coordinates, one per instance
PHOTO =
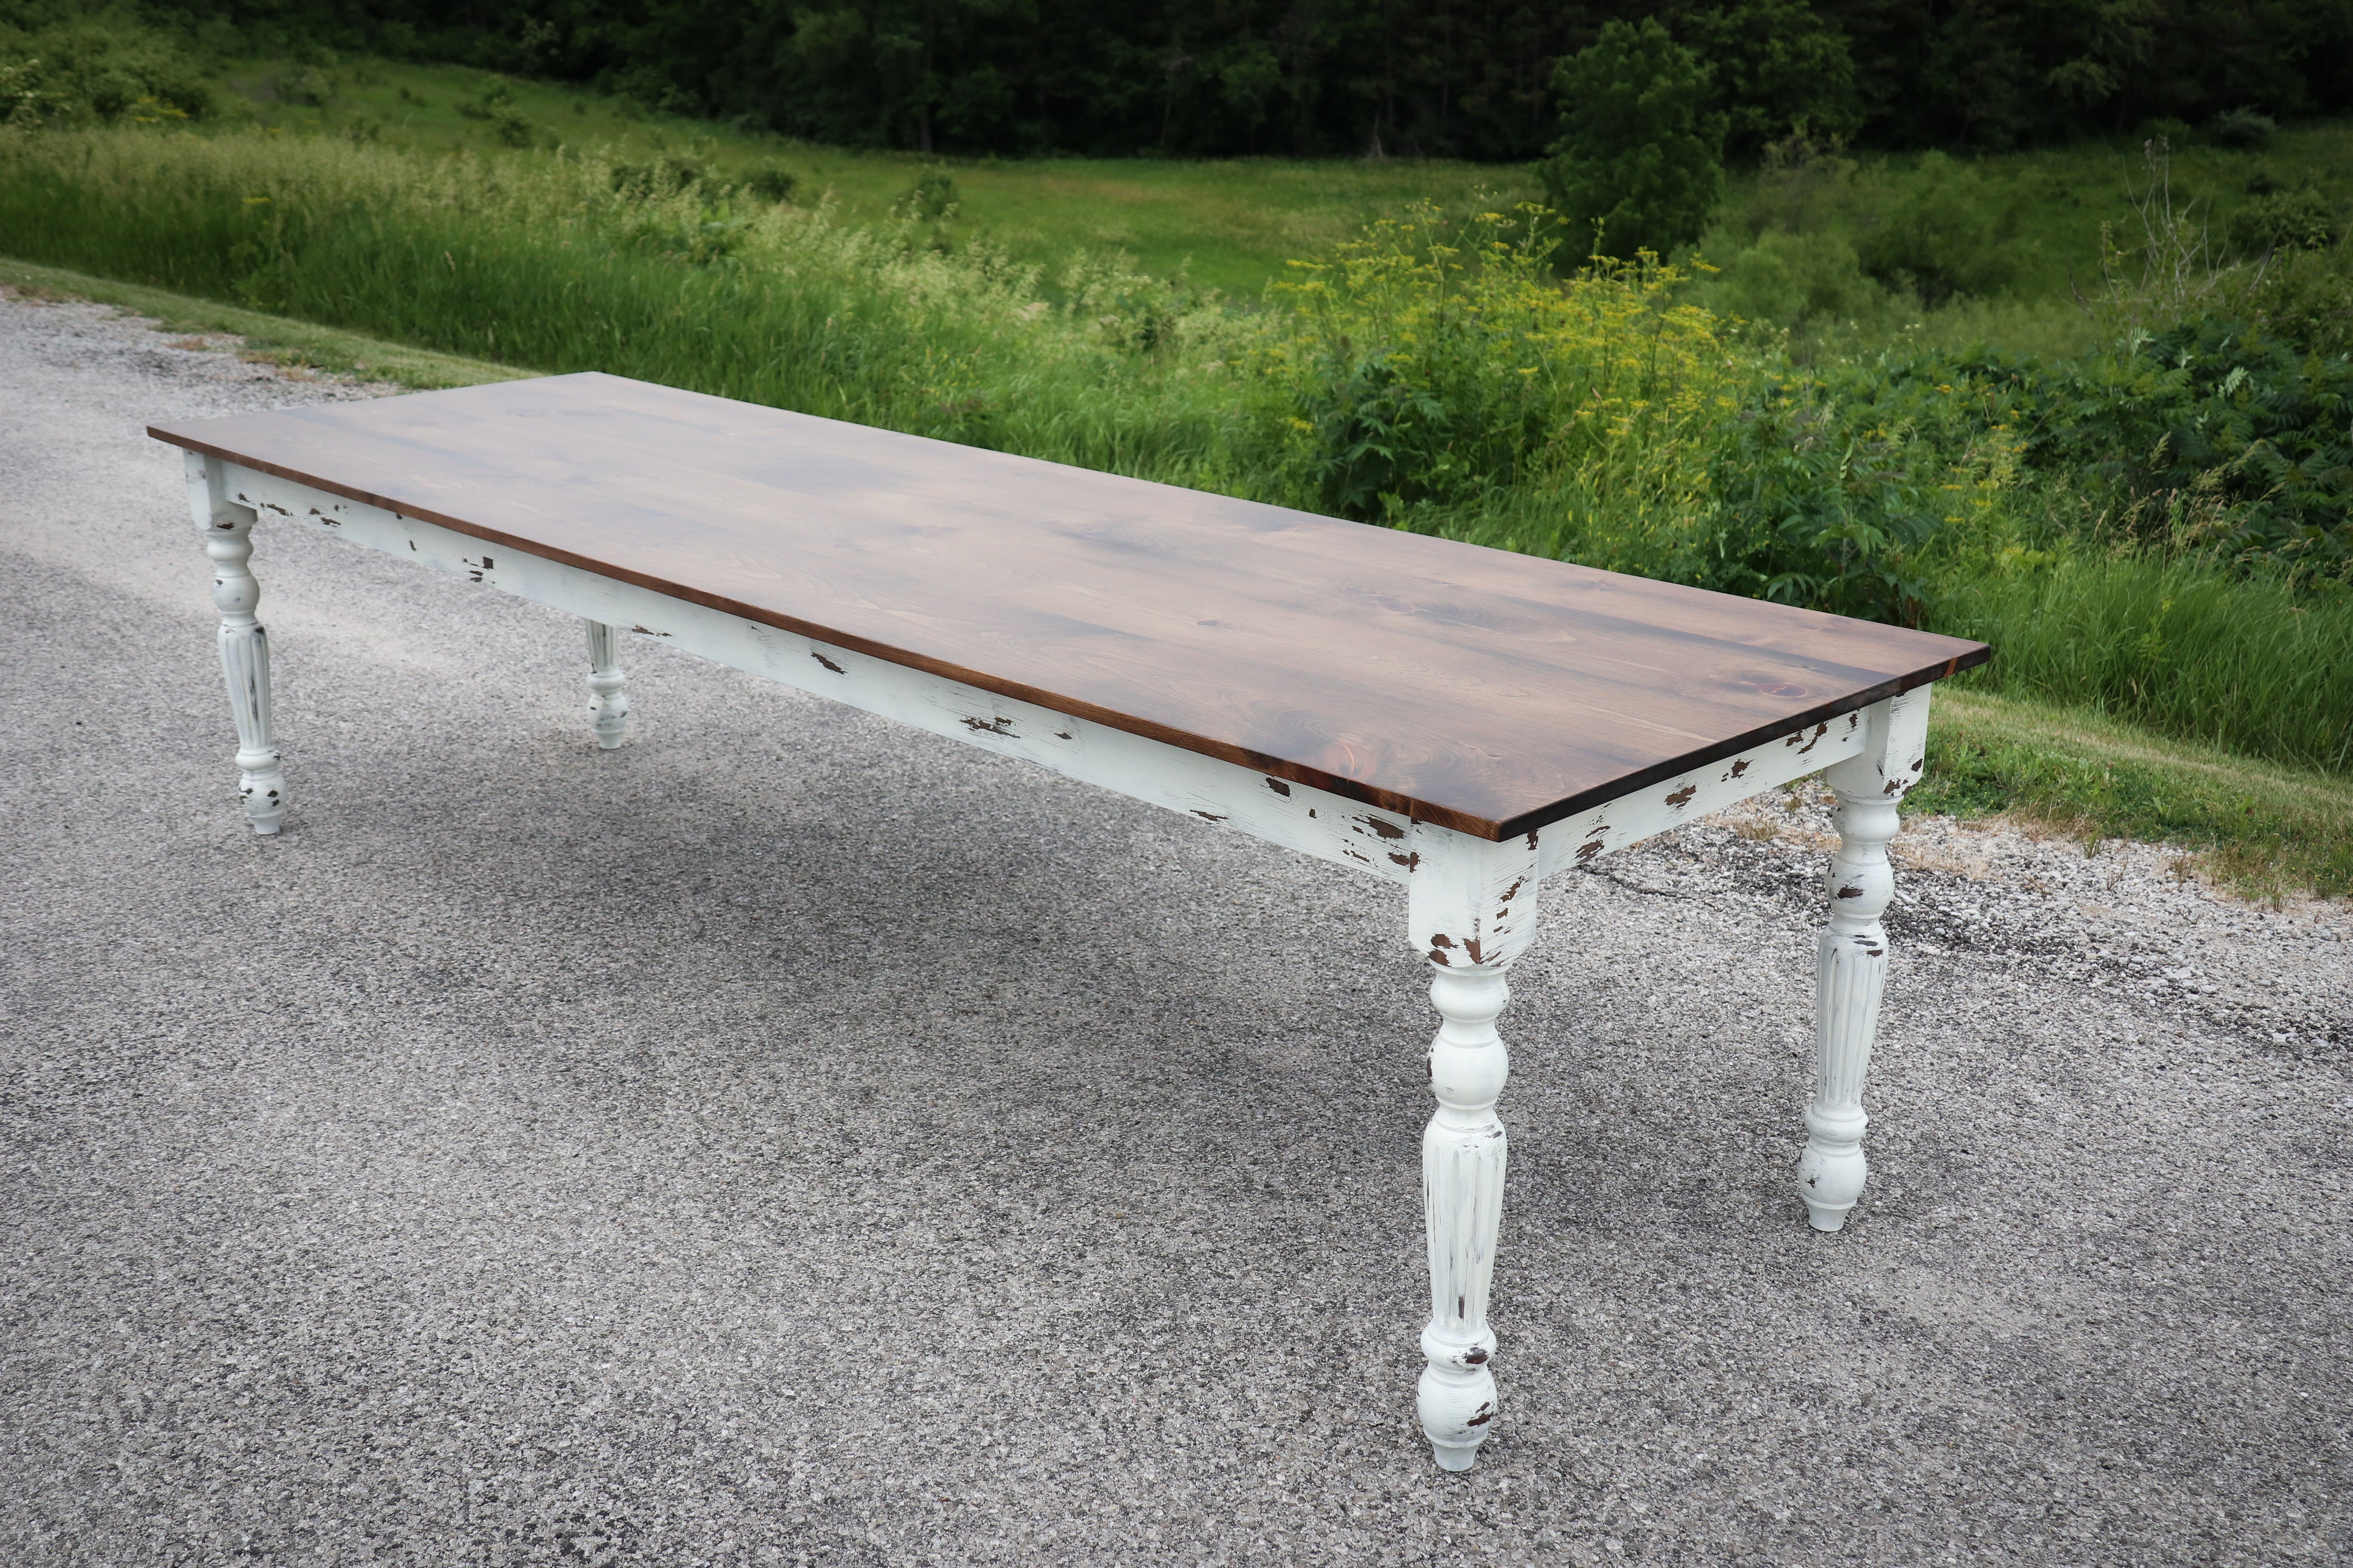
(793, 1139)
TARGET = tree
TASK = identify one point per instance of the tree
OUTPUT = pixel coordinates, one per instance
(1778, 68)
(1639, 158)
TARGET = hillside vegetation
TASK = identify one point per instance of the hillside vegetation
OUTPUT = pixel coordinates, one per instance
(1468, 78)
(2149, 518)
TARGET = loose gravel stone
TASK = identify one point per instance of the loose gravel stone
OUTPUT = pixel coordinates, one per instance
(791, 1139)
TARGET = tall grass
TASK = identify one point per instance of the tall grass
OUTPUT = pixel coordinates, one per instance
(2181, 646)
(541, 262)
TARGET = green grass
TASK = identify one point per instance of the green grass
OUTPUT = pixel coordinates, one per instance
(274, 340)
(2184, 648)
(537, 264)
(2261, 829)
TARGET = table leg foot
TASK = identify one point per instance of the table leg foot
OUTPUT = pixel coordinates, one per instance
(1831, 1172)
(1851, 975)
(609, 686)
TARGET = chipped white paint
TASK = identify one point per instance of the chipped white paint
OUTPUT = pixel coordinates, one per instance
(1472, 913)
(1574, 841)
(1851, 975)
(1472, 903)
(608, 687)
(244, 645)
(1295, 816)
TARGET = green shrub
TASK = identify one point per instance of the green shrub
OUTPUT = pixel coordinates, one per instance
(492, 102)
(97, 73)
(2285, 220)
(665, 176)
(1938, 231)
(1832, 490)
(1638, 163)
(1873, 244)
(1802, 186)
(771, 182)
(2217, 437)
(1799, 282)
(1432, 377)
(933, 198)
(1429, 366)
(2242, 128)
(304, 85)
(2305, 298)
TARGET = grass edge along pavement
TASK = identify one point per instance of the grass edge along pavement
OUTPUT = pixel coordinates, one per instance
(2260, 828)
(289, 344)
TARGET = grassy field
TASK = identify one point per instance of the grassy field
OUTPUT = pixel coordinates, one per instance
(1232, 227)
(2023, 234)
(2262, 829)
(1227, 227)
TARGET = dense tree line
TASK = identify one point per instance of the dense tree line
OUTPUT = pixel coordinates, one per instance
(1457, 78)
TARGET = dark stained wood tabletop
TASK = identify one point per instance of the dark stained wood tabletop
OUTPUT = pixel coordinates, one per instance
(1482, 690)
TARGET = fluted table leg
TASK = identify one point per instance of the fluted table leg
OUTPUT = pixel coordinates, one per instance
(244, 644)
(1473, 912)
(1852, 972)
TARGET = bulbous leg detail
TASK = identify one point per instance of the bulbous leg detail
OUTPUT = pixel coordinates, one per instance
(608, 687)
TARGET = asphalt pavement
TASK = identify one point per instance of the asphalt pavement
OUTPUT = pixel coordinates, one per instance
(794, 1139)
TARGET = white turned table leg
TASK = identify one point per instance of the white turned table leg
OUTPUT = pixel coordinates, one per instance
(1852, 972)
(1473, 908)
(609, 686)
(244, 644)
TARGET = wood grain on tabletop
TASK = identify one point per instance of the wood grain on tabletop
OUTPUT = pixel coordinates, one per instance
(1484, 690)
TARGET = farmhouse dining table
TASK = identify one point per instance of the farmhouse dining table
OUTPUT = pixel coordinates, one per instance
(1459, 721)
